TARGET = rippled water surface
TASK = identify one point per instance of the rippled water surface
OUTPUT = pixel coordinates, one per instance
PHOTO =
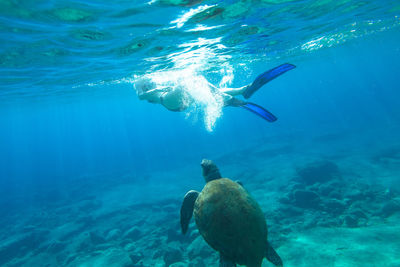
(56, 47)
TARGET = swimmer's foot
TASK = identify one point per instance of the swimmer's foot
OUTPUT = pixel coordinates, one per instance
(260, 111)
(256, 109)
(266, 77)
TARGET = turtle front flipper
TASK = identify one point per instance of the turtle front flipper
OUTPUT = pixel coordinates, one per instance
(224, 262)
(187, 209)
(272, 256)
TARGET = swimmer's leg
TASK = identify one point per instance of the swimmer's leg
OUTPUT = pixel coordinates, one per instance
(266, 77)
(260, 111)
(256, 109)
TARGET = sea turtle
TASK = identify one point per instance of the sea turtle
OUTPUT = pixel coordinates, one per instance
(229, 219)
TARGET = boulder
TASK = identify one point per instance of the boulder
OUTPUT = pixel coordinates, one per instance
(334, 206)
(351, 221)
(199, 248)
(178, 264)
(135, 257)
(133, 233)
(113, 234)
(321, 172)
(390, 208)
(172, 255)
(306, 199)
(96, 238)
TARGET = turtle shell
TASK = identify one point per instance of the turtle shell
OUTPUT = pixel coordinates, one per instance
(231, 222)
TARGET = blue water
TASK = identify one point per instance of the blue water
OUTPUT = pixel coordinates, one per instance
(73, 127)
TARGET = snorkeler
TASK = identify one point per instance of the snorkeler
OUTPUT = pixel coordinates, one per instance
(176, 99)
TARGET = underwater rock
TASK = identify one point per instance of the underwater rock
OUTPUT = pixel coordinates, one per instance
(178, 264)
(21, 244)
(88, 221)
(334, 206)
(285, 199)
(390, 208)
(56, 247)
(199, 248)
(135, 258)
(331, 222)
(390, 155)
(193, 233)
(174, 235)
(358, 213)
(69, 259)
(351, 221)
(321, 172)
(110, 257)
(325, 189)
(354, 195)
(306, 199)
(335, 195)
(88, 206)
(113, 234)
(197, 263)
(157, 254)
(84, 242)
(133, 233)
(96, 238)
(171, 256)
(290, 211)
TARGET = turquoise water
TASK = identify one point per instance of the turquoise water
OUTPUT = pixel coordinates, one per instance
(92, 176)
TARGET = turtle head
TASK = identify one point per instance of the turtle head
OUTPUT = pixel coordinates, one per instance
(210, 170)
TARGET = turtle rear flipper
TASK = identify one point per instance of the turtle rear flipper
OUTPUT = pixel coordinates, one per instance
(224, 262)
(272, 256)
(187, 209)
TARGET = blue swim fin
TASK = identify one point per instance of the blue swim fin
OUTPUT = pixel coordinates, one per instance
(266, 77)
(260, 111)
